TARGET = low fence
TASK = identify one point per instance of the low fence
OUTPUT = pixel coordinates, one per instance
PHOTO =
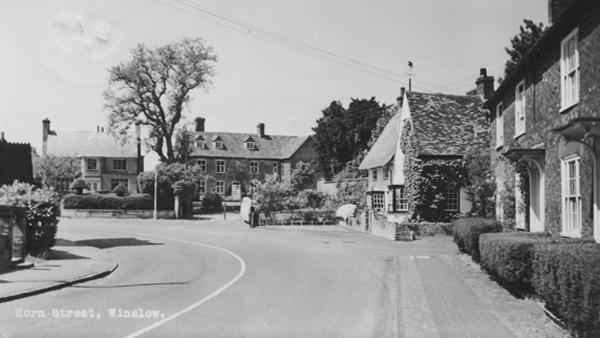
(301, 217)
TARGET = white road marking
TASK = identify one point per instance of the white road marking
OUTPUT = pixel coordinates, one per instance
(201, 301)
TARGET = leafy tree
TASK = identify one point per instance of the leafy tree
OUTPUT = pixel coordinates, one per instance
(343, 134)
(302, 176)
(521, 44)
(153, 88)
(173, 179)
(47, 170)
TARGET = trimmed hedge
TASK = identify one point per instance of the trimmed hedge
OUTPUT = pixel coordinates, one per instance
(466, 232)
(567, 276)
(109, 201)
(509, 255)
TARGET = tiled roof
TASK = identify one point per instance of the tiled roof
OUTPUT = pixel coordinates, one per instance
(383, 150)
(447, 124)
(88, 144)
(267, 147)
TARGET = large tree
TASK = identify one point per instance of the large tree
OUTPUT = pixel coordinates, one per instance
(153, 88)
(343, 134)
(522, 43)
(49, 169)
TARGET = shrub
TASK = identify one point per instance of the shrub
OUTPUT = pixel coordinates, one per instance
(509, 255)
(121, 190)
(567, 277)
(78, 185)
(108, 202)
(466, 233)
(211, 200)
(43, 211)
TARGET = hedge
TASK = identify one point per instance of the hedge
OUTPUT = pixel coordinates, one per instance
(43, 212)
(109, 201)
(509, 255)
(466, 232)
(567, 277)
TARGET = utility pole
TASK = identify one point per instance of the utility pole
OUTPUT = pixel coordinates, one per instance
(410, 75)
(185, 144)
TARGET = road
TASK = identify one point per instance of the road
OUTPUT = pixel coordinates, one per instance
(215, 278)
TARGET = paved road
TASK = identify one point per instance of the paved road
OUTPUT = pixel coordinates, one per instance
(216, 278)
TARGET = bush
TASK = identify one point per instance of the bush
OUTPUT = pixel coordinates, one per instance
(509, 255)
(43, 211)
(108, 202)
(211, 200)
(567, 277)
(121, 190)
(78, 185)
(466, 232)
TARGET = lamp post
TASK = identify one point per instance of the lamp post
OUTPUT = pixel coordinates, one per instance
(155, 214)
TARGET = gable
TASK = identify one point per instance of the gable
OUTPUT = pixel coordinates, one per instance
(383, 150)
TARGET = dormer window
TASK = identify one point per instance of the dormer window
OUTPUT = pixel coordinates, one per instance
(217, 142)
(200, 144)
(249, 143)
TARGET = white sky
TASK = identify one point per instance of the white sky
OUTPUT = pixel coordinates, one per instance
(54, 55)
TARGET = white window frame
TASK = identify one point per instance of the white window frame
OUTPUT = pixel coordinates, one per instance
(202, 187)
(520, 108)
(220, 166)
(275, 168)
(571, 197)
(374, 174)
(118, 181)
(202, 165)
(451, 199)
(254, 167)
(116, 167)
(386, 174)
(499, 125)
(378, 200)
(250, 145)
(218, 144)
(220, 187)
(200, 144)
(89, 161)
(569, 70)
(400, 199)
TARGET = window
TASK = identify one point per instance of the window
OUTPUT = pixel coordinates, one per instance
(499, 125)
(275, 168)
(254, 167)
(374, 174)
(220, 187)
(92, 164)
(119, 165)
(249, 145)
(378, 200)
(199, 144)
(451, 197)
(386, 174)
(218, 144)
(202, 165)
(220, 166)
(94, 186)
(520, 109)
(62, 184)
(115, 181)
(569, 70)
(400, 199)
(571, 198)
(202, 187)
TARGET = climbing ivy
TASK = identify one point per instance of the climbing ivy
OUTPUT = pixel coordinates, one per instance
(426, 180)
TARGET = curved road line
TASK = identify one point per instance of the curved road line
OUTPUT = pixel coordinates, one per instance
(201, 301)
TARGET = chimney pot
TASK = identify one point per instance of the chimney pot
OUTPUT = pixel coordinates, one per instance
(45, 133)
(200, 123)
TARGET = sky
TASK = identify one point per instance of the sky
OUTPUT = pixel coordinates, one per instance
(279, 62)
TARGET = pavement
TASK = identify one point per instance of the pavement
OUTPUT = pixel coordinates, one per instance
(66, 265)
(434, 300)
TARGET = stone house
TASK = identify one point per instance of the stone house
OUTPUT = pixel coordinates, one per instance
(546, 114)
(261, 154)
(105, 162)
(442, 126)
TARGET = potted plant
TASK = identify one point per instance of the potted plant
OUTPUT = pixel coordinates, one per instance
(78, 185)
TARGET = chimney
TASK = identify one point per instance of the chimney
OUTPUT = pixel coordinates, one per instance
(45, 133)
(260, 130)
(200, 124)
(556, 8)
(2, 140)
(485, 85)
(401, 97)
